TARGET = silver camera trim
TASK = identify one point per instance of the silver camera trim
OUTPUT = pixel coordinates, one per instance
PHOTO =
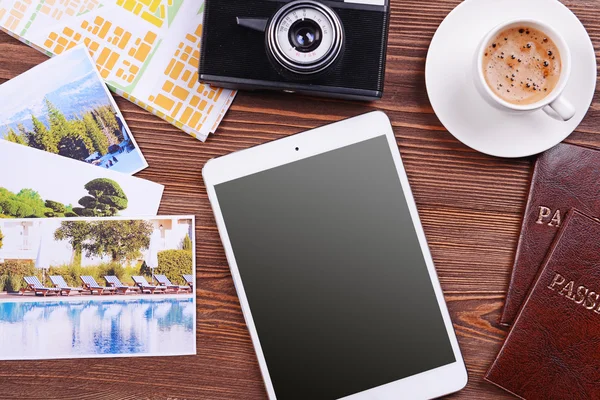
(274, 46)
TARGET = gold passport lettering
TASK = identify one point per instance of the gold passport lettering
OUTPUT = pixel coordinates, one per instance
(546, 214)
(582, 295)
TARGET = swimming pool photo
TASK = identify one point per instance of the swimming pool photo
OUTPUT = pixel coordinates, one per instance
(99, 327)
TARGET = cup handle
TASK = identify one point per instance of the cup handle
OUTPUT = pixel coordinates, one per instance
(562, 107)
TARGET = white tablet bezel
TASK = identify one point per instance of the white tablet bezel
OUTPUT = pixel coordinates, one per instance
(429, 384)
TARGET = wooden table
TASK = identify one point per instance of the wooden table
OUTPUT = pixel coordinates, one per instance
(470, 204)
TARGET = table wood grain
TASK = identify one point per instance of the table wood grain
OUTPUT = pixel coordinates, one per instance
(471, 206)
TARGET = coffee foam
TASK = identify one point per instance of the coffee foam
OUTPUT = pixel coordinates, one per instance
(522, 65)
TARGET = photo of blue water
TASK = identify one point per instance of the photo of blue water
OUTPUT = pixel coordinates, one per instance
(97, 328)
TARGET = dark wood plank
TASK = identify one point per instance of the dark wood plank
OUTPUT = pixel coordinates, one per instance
(471, 207)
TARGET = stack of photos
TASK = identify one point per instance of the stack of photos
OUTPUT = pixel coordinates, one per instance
(81, 273)
(63, 107)
(97, 287)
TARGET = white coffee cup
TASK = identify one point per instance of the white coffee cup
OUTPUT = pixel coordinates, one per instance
(554, 102)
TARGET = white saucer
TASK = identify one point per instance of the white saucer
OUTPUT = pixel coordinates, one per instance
(462, 110)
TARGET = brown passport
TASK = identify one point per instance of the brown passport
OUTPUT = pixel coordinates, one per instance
(553, 347)
(564, 177)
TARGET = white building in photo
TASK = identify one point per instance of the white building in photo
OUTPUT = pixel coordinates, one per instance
(21, 239)
(30, 238)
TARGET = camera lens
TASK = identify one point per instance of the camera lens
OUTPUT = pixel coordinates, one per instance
(305, 37)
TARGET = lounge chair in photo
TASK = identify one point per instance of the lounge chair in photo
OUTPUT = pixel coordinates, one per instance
(164, 281)
(190, 280)
(59, 283)
(143, 284)
(89, 283)
(34, 285)
(121, 288)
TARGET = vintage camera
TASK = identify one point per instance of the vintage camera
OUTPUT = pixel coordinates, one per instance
(328, 48)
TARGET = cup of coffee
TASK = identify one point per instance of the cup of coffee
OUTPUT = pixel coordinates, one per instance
(524, 65)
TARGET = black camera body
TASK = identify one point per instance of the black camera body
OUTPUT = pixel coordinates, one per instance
(326, 48)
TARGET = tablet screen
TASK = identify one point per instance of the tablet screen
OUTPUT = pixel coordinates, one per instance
(333, 272)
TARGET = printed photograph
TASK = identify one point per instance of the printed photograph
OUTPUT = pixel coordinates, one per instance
(97, 287)
(50, 186)
(70, 112)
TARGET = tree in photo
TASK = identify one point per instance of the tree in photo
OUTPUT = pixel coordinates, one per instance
(106, 199)
(33, 199)
(8, 204)
(14, 137)
(41, 138)
(98, 138)
(24, 211)
(122, 240)
(23, 133)
(25, 204)
(69, 211)
(29, 204)
(75, 232)
(105, 117)
(75, 143)
(59, 125)
(1, 237)
(8, 207)
(95, 131)
(186, 243)
(55, 209)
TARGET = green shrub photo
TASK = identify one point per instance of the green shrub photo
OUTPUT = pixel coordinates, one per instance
(100, 248)
(174, 264)
(12, 273)
(105, 199)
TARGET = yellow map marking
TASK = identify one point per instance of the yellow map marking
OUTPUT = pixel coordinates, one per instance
(115, 47)
(147, 9)
(182, 102)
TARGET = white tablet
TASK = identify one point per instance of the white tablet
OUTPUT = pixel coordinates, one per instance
(331, 265)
